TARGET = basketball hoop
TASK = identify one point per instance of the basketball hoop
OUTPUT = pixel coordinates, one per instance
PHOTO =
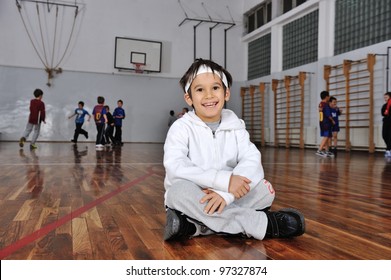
(139, 68)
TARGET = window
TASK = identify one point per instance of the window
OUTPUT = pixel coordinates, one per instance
(300, 41)
(269, 11)
(259, 62)
(251, 23)
(360, 23)
(288, 5)
(258, 16)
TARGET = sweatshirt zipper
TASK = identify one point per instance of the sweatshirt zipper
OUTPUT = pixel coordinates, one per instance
(216, 151)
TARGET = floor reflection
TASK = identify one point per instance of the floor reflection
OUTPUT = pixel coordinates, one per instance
(34, 174)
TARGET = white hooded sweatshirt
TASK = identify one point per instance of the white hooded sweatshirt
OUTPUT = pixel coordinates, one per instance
(193, 152)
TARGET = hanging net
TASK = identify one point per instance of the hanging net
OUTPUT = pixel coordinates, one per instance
(50, 26)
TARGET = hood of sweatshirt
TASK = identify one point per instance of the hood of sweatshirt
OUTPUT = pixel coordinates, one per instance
(229, 120)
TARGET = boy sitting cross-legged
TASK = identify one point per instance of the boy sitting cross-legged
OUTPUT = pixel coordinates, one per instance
(214, 176)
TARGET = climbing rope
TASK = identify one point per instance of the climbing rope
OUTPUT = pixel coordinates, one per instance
(49, 66)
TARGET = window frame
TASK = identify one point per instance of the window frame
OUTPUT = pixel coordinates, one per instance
(293, 4)
(258, 16)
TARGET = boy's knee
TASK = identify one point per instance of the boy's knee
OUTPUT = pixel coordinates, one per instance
(269, 193)
(171, 194)
(176, 192)
(181, 192)
(269, 187)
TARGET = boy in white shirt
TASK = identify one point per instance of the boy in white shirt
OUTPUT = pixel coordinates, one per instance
(214, 176)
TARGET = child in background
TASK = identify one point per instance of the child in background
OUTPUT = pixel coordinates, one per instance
(37, 115)
(119, 115)
(184, 111)
(80, 114)
(386, 128)
(325, 123)
(100, 118)
(172, 118)
(214, 176)
(335, 113)
(110, 127)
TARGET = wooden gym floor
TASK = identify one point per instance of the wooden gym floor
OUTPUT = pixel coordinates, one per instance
(72, 202)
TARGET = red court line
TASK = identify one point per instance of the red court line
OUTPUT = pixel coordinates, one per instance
(6, 251)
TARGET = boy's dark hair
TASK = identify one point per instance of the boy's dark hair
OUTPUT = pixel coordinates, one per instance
(120, 101)
(332, 98)
(107, 107)
(38, 92)
(388, 93)
(192, 71)
(101, 100)
(172, 112)
(81, 103)
(324, 94)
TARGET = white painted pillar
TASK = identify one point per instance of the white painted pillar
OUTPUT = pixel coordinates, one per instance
(326, 28)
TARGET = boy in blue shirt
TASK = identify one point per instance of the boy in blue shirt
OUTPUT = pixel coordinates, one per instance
(335, 113)
(119, 115)
(80, 114)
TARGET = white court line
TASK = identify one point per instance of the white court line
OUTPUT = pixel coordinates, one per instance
(144, 163)
(84, 164)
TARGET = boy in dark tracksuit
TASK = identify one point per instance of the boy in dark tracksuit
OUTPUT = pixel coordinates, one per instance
(386, 130)
(110, 127)
(119, 115)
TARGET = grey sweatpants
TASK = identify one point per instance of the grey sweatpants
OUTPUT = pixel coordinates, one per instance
(240, 217)
(29, 128)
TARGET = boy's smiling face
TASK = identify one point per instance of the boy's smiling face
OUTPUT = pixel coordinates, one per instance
(207, 97)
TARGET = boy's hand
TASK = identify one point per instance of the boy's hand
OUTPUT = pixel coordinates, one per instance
(239, 186)
(214, 202)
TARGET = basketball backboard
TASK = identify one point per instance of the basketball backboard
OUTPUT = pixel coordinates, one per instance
(130, 52)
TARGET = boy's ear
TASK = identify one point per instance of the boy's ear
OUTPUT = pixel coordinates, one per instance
(188, 99)
(227, 94)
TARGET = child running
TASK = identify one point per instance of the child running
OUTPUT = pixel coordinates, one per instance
(37, 115)
(80, 114)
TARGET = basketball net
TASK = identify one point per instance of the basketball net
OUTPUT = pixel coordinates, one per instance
(138, 68)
